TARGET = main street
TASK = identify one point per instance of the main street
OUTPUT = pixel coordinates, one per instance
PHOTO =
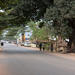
(25, 61)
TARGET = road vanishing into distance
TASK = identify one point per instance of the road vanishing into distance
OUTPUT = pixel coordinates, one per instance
(27, 61)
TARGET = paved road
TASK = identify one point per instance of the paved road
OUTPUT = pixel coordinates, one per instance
(21, 61)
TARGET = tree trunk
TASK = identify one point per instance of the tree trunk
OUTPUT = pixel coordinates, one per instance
(72, 37)
(56, 44)
(73, 41)
(48, 43)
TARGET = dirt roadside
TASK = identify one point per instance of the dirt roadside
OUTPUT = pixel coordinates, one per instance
(46, 50)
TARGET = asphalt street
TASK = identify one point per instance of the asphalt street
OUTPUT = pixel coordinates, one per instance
(27, 61)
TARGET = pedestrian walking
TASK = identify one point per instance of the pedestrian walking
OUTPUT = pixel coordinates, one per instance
(40, 45)
(17, 43)
(2, 44)
(43, 46)
(51, 47)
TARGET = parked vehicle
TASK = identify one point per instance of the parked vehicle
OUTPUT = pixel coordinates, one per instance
(22, 44)
(27, 44)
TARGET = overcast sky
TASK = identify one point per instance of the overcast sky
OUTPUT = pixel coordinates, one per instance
(28, 33)
(1, 11)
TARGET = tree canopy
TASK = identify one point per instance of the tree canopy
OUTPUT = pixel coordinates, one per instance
(16, 30)
(63, 15)
(31, 9)
(6, 3)
(18, 12)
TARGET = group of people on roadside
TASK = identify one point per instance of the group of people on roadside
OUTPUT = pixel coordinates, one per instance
(43, 45)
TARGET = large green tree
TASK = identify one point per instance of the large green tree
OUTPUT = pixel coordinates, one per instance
(42, 33)
(63, 15)
(5, 20)
(24, 10)
(21, 12)
(33, 26)
(31, 9)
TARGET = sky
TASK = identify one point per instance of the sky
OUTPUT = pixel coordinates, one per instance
(1, 11)
(28, 33)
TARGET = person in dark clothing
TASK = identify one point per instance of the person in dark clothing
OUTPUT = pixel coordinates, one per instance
(51, 47)
(40, 45)
(2, 44)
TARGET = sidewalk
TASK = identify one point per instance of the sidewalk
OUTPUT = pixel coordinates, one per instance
(48, 51)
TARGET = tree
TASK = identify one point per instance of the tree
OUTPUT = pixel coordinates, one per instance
(42, 33)
(34, 28)
(19, 12)
(31, 9)
(6, 3)
(15, 31)
(63, 15)
(4, 18)
(5, 22)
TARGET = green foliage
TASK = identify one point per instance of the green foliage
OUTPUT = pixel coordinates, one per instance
(6, 3)
(15, 31)
(24, 10)
(34, 28)
(12, 32)
(38, 33)
(42, 34)
(2, 14)
(7, 38)
(62, 13)
(46, 46)
(31, 9)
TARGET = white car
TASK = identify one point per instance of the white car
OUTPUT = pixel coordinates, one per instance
(7, 42)
(27, 44)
